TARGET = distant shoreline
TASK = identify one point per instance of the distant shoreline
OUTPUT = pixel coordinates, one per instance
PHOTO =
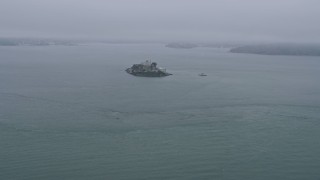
(279, 49)
(181, 45)
(262, 49)
(34, 42)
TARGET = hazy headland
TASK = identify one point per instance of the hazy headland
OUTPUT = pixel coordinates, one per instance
(292, 49)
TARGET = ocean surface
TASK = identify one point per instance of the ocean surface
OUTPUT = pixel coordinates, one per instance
(71, 112)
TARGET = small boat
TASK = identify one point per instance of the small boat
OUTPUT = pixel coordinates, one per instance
(202, 74)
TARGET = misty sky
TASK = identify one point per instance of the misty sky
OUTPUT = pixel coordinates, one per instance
(166, 20)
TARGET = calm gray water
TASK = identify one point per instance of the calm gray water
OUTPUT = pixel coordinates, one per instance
(73, 113)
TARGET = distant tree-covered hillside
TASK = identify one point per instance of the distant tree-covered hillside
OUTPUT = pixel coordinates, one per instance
(280, 49)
